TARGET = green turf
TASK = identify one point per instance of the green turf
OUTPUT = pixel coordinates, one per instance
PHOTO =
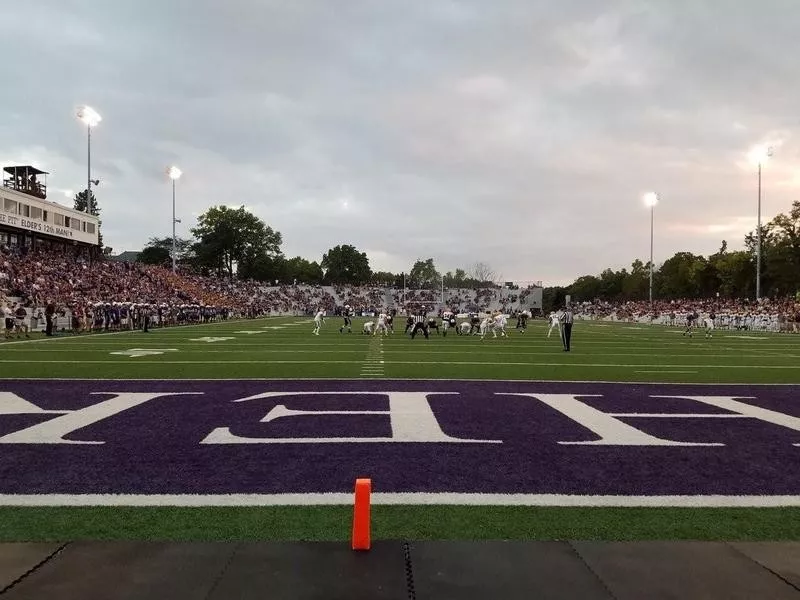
(398, 522)
(601, 352)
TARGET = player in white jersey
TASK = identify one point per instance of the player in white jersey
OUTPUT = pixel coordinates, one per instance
(465, 327)
(555, 322)
(319, 319)
(368, 327)
(381, 327)
(709, 323)
(499, 325)
(485, 325)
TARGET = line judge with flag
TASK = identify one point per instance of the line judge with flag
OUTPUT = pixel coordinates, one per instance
(566, 327)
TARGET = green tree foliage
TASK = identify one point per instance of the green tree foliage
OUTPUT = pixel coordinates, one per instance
(424, 275)
(384, 278)
(300, 270)
(157, 248)
(345, 264)
(228, 237)
(154, 255)
(731, 274)
(79, 204)
(268, 269)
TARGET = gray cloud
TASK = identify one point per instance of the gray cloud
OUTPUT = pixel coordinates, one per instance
(517, 133)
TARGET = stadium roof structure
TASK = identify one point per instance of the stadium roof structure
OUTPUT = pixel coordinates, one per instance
(27, 168)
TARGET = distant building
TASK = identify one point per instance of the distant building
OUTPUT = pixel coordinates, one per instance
(28, 219)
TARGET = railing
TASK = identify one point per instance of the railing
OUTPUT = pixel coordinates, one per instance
(39, 190)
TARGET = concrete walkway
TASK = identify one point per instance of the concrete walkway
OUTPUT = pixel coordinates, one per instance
(398, 570)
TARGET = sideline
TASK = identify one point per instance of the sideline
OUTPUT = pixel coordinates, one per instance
(403, 498)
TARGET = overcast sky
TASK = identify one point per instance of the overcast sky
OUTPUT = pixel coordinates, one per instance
(520, 133)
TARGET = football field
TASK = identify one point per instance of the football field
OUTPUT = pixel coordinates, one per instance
(257, 430)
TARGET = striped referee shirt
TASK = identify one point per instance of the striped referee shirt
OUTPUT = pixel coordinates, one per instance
(567, 317)
(420, 319)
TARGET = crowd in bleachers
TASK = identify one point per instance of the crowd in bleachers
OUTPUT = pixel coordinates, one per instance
(766, 315)
(97, 292)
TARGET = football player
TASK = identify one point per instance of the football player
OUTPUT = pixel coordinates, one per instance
(555, 322)
(319, 319)
(381, 327)
(347, 313)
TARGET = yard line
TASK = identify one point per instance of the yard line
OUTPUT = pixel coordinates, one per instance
(411, 362)
(398, 498)
(373, 364)
(215, 349)
(680, 415)
(665, 371)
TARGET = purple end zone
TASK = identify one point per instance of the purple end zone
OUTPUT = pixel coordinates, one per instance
(210, 443)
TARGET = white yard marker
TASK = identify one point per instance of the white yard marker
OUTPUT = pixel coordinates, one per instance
(391, 498)
(212, 339)
(137, 352)
(249, 332)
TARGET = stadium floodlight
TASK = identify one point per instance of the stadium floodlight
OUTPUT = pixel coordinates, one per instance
(759, 155)
(90, 117)
(174, 174)
(651, 199)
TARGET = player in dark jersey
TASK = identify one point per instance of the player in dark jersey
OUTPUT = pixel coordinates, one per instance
(347, 313)
(690, 322)
(522, 320)
(448, 322)
(432, 324)
(475, 324)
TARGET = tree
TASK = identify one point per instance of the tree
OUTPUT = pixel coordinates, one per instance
(424, 275)
(585, 289)
(459, 278)
(736, 272)
(553, 298)
(345, 264)
(183, 248)
(265, 268)
(680, 276)
(79, 204)
(781, 253)
(154, 255)
(636, 285)
(483, 273)
(228, 237)
(384, 278)
(300, 270)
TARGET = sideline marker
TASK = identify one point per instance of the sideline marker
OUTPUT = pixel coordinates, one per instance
(361, 524)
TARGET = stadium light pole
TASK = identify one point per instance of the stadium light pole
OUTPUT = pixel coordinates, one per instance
(651, 199)
(90, 118)
(174, 174)
(759, 155)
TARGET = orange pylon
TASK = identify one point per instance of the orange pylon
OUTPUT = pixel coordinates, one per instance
(361, 509)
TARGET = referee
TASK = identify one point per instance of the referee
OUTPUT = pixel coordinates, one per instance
(420, 323)
(566, 327)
